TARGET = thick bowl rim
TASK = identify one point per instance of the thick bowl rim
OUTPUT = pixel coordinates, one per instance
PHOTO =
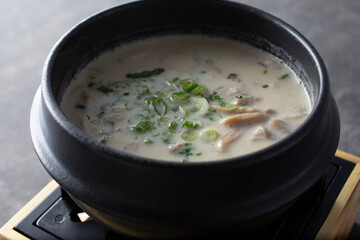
(244, 160)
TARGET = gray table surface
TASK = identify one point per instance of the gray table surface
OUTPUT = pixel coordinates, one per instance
(29, 29)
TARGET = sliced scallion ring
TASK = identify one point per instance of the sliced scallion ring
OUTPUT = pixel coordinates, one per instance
(209, 136)
(200, 106)
(189, 135)
(184, 110)
(159, 106)
(179, 97)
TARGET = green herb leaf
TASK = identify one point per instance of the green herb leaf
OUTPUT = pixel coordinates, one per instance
(148, 141)
(173, 126)
(105, 89)
(286, 75)
(265, 86)
(222, 103)
(145, 74)
(166, 137)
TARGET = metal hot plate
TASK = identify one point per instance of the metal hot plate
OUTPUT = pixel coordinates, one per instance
(57, 216)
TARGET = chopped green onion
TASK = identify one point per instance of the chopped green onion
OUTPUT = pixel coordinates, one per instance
(265, 86)
(239, 96)
(126, 93)
(159, 106)
(165, 91)
(188, 135)
(142, 90)
(198, 90)
(91, 84)
(163, 120)
(142, 127)
(179, 97)
(184, 110)
(175, 109)
(209, 136)
(265, 71)
(188, 84)
(187, 123)
(145, 74)
(200, 106)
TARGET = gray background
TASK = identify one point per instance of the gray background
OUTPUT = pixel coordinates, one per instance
(29, 29)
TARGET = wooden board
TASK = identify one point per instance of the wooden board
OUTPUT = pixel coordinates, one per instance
(7, 232)
(342, 216)
(337, 225)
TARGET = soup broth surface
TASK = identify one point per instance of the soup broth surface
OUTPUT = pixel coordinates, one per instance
(186, 98)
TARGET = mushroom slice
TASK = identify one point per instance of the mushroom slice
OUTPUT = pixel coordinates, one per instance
(269, 111)
(261, 134)
(176, 148)
(280, 126)
(87, 98)
(225, 140)
(113, 119)
(244, 118)
(237, 110)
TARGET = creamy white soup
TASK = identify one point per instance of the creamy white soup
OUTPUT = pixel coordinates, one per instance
(187, 98)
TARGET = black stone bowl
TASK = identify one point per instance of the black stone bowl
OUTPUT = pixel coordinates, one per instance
(148, 198)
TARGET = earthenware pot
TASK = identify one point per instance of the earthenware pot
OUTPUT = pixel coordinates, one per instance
(148, 198)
